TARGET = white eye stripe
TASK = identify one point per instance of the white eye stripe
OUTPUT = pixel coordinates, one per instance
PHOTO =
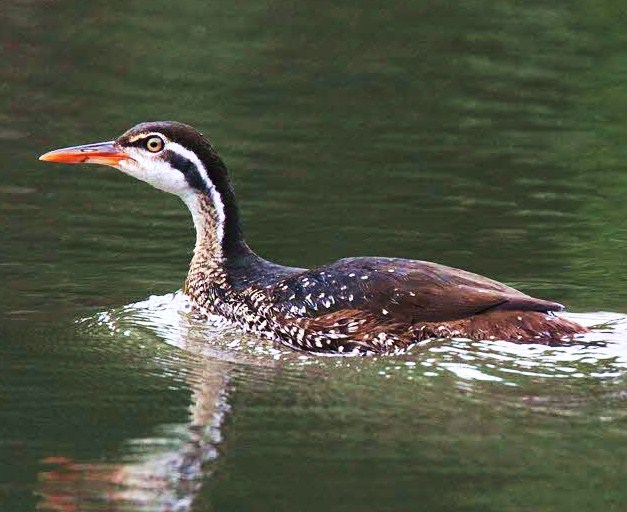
(147, 135)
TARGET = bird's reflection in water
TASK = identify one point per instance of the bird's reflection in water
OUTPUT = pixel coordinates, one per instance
(165, 472)
(164, 476)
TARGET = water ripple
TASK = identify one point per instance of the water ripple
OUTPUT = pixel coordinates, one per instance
(601, 354)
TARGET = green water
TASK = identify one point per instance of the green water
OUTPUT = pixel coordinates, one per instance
(484, 135)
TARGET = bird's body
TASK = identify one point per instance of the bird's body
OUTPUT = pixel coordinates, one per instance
(370, 304)
(355, 305)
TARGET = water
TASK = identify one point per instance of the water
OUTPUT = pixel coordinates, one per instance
(484, 136)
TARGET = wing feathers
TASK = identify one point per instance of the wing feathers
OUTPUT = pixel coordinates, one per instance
(405, 291)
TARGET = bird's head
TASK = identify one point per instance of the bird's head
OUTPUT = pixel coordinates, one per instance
(170, 156)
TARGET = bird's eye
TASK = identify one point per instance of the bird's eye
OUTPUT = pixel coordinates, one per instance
(154, 144)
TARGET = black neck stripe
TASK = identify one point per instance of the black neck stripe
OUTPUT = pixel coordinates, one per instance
(188, 168)
(233, 239)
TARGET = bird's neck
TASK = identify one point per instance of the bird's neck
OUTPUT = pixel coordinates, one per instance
(219, 237)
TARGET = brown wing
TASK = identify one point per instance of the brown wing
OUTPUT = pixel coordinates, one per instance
(423, 291)
(403, 290)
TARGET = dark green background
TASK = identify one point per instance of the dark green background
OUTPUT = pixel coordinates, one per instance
(483, 135)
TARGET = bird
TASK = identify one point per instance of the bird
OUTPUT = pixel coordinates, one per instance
(353, 306)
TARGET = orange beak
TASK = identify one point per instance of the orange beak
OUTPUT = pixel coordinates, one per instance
(99, 153)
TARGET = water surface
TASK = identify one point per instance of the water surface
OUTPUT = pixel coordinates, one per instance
(483, 136)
